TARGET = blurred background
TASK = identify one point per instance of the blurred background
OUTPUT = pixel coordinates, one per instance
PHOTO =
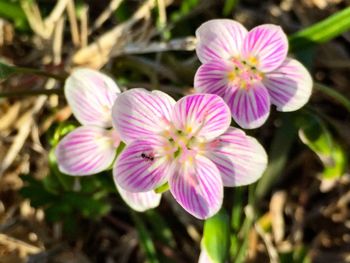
(297, 212)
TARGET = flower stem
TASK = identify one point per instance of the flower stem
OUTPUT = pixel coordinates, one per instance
(9, 94)
(145, 238)
(39, 73)
(163, 188)
(247, 225)
(334, 94)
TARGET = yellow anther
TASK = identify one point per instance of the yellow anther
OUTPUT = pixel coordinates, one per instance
(188, 129)
(253, 60)
(231, 76)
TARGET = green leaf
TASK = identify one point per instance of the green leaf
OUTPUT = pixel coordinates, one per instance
(339, 164)
(66, 181)
(14, 12)
(229, 6)
(236, 219)
(145, 239)
(322, 31)
(160, 228)
(315, 134)
(278, 156)
(6, 71)
(216, 237)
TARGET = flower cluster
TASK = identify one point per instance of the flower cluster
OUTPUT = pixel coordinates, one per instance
(91, 148)
(186, 146)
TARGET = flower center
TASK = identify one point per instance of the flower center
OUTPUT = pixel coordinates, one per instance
(244, 73)
(181, 144)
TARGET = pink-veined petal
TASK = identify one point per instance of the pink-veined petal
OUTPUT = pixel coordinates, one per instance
(138, 113)
(212, 77)
(197, 186)
(140, 201)
(91, 95)
(250, 107)
(86, 150)
(289, 86)
(142, 166)
(203, 115)
(219, 39)
(267, 45)
(240, 159)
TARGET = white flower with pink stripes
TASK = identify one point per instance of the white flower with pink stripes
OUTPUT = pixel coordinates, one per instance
(187, 144)
(250, 70)
(91, 148)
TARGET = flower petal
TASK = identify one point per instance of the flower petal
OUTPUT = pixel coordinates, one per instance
(250, 107)
(203, 115)
(91, 95)
(240, 159)
(138, 113)
(212, 77)
(142, 166)
(86, 150)
(197, 186)
(266, 45)
(289, 86)
(204, 257)
(219, 38)
(140, 201)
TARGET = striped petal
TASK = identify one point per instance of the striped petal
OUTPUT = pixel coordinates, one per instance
(138, 113)
(250, 107)
(86, 150)
(142, 166)
(240, 159)
(289, 86)
(266, 47)
(219, 39)
(91, 95)
(203, 115)
(140, 201)
(197, 186)
(212, 77)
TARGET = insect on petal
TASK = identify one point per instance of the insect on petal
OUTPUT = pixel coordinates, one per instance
(266, 45)
(91, 95)
(219, 39)
(197, 187)
(140, 167)
(240, 159)
(86, 150)
(289, 86)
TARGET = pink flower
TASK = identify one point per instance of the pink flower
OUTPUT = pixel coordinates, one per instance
(188, 144)
(91, 148)
(250, 70)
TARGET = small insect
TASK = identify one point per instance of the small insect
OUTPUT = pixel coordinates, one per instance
(149, 157)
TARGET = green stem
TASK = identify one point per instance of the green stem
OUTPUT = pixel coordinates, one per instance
(145, 238)
(246, 227)
(39, 73)
(236, 217)
(333, 94)
(278, 155)
(163, 188)
(9, 94)
(322, 31)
